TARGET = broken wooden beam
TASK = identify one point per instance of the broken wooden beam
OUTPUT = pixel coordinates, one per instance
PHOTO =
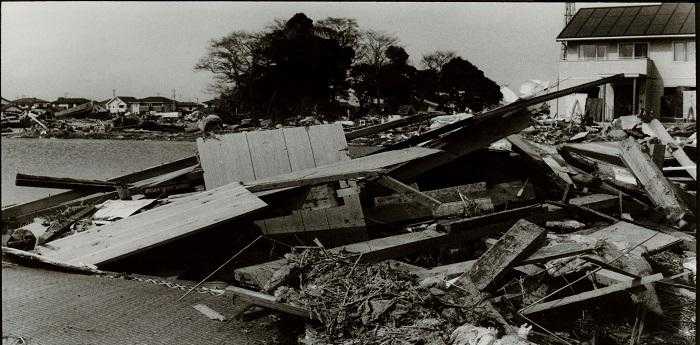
(268, 301)
(409, 192)
(62, 227)
(515, 244)
(556, 251)
(659, 189)
(626, 285)
(25, 180)
(677, 152)
(534, 213)
(553, 180)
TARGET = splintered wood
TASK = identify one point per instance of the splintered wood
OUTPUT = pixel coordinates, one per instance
(514, 244)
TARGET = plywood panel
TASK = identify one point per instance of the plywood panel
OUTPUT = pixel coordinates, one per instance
(268, 152)
(156, 226)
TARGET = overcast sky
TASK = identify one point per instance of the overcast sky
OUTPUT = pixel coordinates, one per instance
(86, 49)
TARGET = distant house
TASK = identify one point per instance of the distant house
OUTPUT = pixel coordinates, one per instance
(123, 104)
(65, 103)
(31, 103)
(652, 45)
(188, 107)
(156, 104)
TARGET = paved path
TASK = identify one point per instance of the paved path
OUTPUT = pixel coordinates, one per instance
(54, 308)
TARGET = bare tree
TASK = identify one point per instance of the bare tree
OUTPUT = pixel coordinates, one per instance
(373, 45)
(434, 61)
(230, 58)
(345, 30)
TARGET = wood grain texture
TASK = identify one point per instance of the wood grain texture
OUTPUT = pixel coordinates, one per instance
(659, 189)
(155, 227)
(513, 245)
(627, 235)
(268, 151)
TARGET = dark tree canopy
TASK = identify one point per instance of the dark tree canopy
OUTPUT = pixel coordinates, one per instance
(468, 86)
(299, 67)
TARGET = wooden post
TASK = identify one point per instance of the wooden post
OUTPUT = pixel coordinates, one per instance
(658, 154)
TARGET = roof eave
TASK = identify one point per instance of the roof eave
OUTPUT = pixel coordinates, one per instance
(558, 39)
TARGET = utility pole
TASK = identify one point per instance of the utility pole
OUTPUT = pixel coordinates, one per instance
(114, 93)
(569, 10)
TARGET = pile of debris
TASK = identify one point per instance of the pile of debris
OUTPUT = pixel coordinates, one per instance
(496, 228)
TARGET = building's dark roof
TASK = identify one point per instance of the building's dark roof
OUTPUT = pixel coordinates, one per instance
(188, 104)
(211, 102)
(29, 100)
(64, 100)
(155, 99)
(643, 20)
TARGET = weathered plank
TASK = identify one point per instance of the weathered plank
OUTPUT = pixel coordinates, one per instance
(156, 226)
(328, 144)
(268, 152)
(225, 159)
(267, 301)
(541, 163)
(511, 216)
(626, 285)
(301, 155)
(26, 180)
(60, 228)
(659, 189)
(678, 153)
(555, 251)
(513, 245)
(608, 152)
(298, 180)
(631, 235)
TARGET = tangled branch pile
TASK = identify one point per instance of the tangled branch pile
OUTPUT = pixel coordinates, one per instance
(376, 303)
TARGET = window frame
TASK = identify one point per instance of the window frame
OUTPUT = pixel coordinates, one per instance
(684, 44)
(634, 51)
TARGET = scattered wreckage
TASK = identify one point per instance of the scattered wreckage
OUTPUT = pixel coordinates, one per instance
(562, 233)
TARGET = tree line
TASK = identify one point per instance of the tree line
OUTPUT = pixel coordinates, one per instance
(301, 67)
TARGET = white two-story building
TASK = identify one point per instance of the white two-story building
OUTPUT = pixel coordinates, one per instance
(652, 45)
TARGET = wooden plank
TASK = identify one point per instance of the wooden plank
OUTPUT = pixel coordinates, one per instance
(626, 285)
(328, 143)
(301, 155)
(604, 151)
(372, 251)
(678, 153)
(552, 175)
(156, 226)
(409, 192)
(267, 301)
(268, 152)
(556, 251)
(383, 127)
(659, 189)
(27, 210)
(225, 159)
(629, 235)
(299, 180)
(512, 215)
(208, 312)
(513, 245)
(26, 180)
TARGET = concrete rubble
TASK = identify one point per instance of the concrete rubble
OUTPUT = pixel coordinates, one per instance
(415, 230)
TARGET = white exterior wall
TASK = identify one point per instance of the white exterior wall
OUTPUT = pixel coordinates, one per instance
(660, 70)
(116, 106)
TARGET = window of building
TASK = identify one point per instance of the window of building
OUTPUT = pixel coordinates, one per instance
(602, 52)
(640, 50)
(587, 51)
(679, 51)
(633, 50)
(626, 50)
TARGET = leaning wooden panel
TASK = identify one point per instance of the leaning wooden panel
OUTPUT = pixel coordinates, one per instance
(268, 152)
(328, 143)
(155, 227)
(299, 149)
(225, 159)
